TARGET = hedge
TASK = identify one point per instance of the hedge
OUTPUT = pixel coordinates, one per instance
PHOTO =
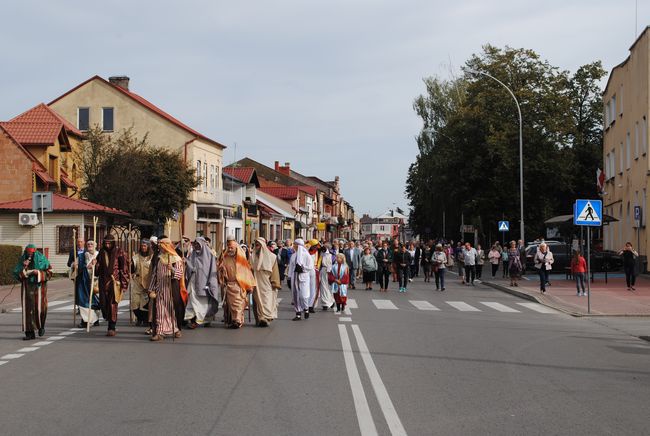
(9, 255)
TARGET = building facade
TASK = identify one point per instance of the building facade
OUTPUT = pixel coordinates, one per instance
(626, 165)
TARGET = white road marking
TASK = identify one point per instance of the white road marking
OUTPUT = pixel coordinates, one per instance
(2, 362)
(27, 349)
(66, 333)
(49, 305)
(384, 304)
(366, 423)
(352, 303)
(538, 307)
(64, 308)
(77, 329)
(11, 356)
(392, 419)
(345, 318)
(500, 307)
(347, 311)
(55, 338)
(423, 305)
(42, 343)
(462, 306)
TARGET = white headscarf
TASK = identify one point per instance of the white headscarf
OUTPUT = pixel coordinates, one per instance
(301, 257)
(265, 260)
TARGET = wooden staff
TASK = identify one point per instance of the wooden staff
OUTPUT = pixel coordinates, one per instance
(128, 244)
(74, 277)
(92, 277)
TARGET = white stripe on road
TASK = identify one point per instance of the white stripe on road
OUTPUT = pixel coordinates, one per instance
(392, 419)
(462, 306)
(500, 307)
(27, 349)
(2, 362)
(42, 343)
(55, 338)
(423, 305)
(11, 356)
(366, 423)
(538, 307)
(347, 311)
(352, 303)
(66, 333)
(345, 319)
(49, 304)
(384, 304)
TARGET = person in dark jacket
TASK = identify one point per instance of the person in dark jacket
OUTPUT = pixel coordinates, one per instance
(402, 261)
(384, 261)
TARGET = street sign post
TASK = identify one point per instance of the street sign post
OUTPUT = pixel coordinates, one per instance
(588, 213)
(504, 226)
(42, 202)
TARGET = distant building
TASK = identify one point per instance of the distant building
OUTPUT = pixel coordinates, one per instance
(390, 225)
(625, 147)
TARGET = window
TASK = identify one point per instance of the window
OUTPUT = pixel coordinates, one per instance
(205, 177)
(620, 105)
(644, 136)
(65, 239)
(613, 169)
(107, 119)
(83, 118)
(606, 115)
(212, 179)
(217, 177)
(612, 116)
(643, 204)
(622, 161)
(636, 140)
(198, 174)
(627, 151)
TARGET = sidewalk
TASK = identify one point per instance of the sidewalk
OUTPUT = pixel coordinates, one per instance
(607, 299)
(57, 289)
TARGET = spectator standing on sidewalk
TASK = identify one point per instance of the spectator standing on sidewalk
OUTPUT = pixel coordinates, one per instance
(515, 267)
(480, 260)
(506, 264)
(494, 256)
(543, 262)
(469, 260)
(521, 247)
(439, 261)
(578, 270)
(629, 263)
(458, 255)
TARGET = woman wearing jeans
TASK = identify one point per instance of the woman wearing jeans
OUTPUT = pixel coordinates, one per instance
(439, 260)
(578, 269)
(629, 261)
(543, 262)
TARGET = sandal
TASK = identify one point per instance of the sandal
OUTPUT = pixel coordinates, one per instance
(156, 338)
(178, 334)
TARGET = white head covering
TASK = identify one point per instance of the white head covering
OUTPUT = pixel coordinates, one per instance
(265, 260)
(301, 257)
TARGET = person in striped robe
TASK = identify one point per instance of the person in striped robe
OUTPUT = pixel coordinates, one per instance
(33, 270)
(167, 290)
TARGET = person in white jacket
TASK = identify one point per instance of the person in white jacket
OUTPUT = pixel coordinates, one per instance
(543, 262)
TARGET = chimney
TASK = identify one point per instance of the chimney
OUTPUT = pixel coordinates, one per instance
(286, 169)
(121, 81)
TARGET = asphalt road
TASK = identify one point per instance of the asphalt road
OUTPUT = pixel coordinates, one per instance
(471, 360)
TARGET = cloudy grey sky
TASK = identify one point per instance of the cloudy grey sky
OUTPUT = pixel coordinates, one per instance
(325, 85)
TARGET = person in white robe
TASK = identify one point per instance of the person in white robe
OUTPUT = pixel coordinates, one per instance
(267, 275)
(326, 297)
(202, 285)
(300, 266)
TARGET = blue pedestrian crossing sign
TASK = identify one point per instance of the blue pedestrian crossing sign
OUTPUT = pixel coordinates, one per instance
(588, 213)
(504, 226)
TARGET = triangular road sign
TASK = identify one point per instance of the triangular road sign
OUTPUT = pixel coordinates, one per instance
(588, 214)
(503, 226)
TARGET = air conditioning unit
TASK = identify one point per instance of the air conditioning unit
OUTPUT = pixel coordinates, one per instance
(27, 219)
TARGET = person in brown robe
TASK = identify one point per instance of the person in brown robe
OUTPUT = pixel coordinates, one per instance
(112, 270)
(236, 281)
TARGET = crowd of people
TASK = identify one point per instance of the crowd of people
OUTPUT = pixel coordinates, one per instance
(176, 286)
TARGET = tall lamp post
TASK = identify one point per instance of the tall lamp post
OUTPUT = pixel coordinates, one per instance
(521, 151)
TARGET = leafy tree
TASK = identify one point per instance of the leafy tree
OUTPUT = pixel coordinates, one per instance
(130, 174)
(468, 159)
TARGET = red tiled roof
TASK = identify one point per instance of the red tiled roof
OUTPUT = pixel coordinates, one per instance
(66, 180)
(37, 167)
(63, 204)
(39, 125)
(244, 174)
(283, 192)
(144, 102)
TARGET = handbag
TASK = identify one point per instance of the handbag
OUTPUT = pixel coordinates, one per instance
(117, 290)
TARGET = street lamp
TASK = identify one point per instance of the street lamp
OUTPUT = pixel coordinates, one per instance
(521, 151)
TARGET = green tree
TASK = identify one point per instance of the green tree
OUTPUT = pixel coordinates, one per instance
(468, 159)
(130, 174)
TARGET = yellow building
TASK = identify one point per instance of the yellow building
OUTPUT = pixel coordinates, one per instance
(625, 148)
(114, 107)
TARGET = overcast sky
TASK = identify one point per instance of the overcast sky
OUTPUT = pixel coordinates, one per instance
(327, 86)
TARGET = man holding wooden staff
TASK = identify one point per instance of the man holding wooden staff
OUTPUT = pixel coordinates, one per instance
(113, 272)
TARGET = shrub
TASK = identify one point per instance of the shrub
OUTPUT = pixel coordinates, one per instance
(9, 255)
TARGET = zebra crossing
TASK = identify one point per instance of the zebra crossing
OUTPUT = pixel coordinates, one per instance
(460, 306)
(65, 306)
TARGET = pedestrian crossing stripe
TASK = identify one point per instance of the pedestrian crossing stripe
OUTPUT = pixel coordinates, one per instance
(588, 212)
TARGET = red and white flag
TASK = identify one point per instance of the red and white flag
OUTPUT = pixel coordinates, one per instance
(600, 180)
